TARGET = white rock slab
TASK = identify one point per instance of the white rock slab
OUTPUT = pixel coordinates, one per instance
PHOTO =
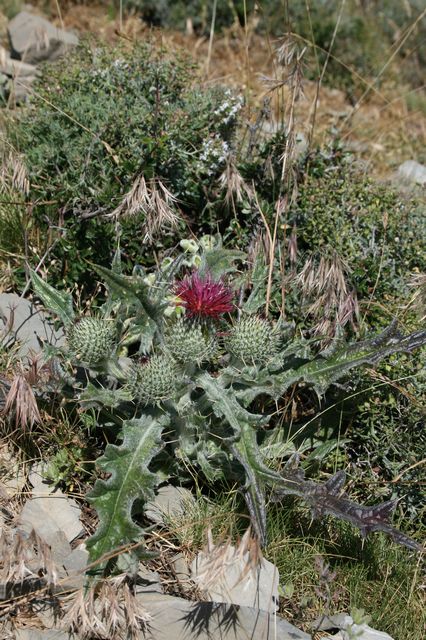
(50, 514)
(33, 39)
(235, 581)
(413, 171)
(15, 68)
(178, 619)
(30, 325)
(349, 630)
(169, 502)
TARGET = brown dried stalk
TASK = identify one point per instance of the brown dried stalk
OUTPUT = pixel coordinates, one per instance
(13, 173)
(216, 559)
(152, 199)
(234, 185)
(26, 556)
(329, 300)
(290, 63)
(109, 610)
(21, 403)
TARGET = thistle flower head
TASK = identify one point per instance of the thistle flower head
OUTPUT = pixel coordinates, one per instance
(252, 340)
(204, 297)
(91, 340)
(155, 380)
(188, 341)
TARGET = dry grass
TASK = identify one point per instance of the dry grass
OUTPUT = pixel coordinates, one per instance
(384, 129)
(155, 201)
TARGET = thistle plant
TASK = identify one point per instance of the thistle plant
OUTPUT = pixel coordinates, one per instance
(194, 390)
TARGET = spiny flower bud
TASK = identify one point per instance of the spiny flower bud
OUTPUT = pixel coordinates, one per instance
(189, 342)
(91, 340)
(252, 340)
(155, 380)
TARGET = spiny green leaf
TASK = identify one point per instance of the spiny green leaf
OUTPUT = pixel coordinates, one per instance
(130, 480)
(59, 302)
(98, 396)
(321, 372)
(225, 405)
(131, 289)
(221, 261)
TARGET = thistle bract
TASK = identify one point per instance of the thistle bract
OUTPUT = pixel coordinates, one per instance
(92, 340)
(252, 340)
(155, 380)
(188, 342)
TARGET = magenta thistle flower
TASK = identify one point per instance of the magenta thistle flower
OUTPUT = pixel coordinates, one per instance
(203, 297)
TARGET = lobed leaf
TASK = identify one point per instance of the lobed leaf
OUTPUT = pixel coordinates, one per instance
(58, 302)
(130, 480)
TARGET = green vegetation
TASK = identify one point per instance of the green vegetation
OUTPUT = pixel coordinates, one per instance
(121, 134)
(208, 354)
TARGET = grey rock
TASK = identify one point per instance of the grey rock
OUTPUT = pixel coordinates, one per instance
(412, 171)
(72, 573)
(170, 502)
(16, 78)
(33, 39)
(51, 514)
(14, 475)
(348, 629)
(15, 68)
(180, 567)
(29, 326)
(175, 618)
(148, 581)
(237, 582)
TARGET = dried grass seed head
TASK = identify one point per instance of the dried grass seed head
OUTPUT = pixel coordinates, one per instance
(154, 201)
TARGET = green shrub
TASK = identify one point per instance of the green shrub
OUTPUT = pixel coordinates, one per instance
(125, 131)
(379, 235)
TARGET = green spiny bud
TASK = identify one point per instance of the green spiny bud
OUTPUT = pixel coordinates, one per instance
(252, 340)
(189, 342)
(155, 380)
(92, 340)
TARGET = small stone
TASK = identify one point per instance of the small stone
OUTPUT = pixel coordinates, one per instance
(49, 514)
(15, 68)
(180, 567)
(31, 327)
(148, 581)
(33, 39)
(413, 172)
(74, 567)
(237, 582)
(348, 628)
(170, 502)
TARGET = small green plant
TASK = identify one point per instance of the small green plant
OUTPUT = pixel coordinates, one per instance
(121, 142)
(170, 412)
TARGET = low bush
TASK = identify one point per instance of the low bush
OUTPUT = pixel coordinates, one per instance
(124, 132)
